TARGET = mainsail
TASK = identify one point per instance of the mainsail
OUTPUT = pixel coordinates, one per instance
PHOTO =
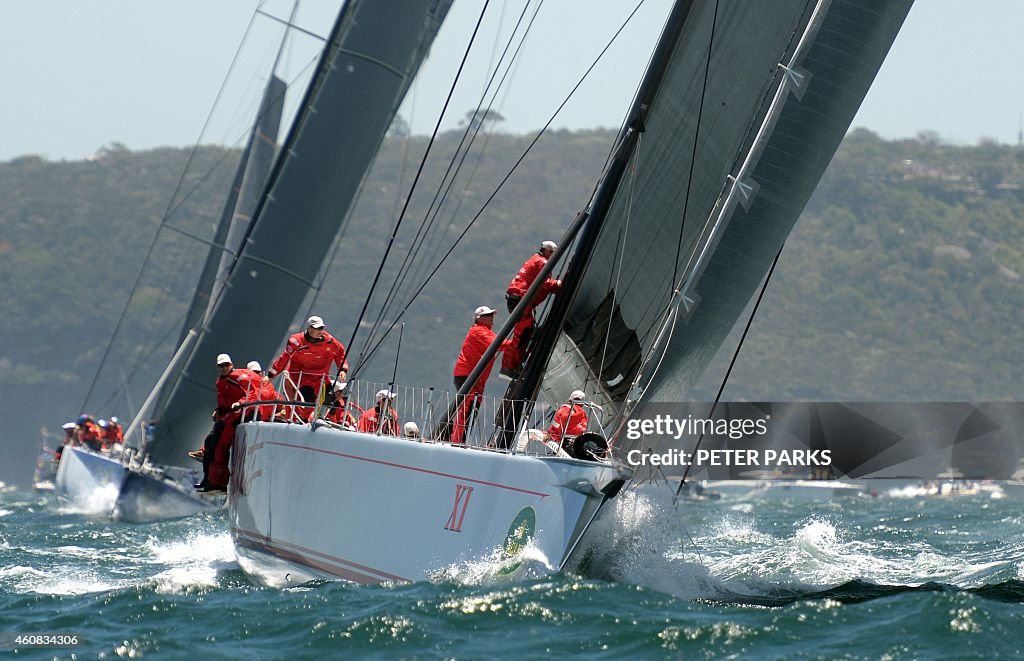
(250, 177)
(753, 105)
(371, 57)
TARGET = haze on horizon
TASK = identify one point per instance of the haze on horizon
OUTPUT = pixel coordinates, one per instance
(85, 75)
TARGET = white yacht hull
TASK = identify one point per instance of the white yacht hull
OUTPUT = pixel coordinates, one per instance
(98, 484)
(321, 502)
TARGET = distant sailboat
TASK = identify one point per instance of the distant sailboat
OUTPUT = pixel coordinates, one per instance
(738, 115)
(136, 488)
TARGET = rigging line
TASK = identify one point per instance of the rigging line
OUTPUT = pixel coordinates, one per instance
(513, 60)
(173, 328)
(288, 24)
(419, 173)
(693, 153)
(735, 355)
(508, 175)
(226, 153)
(460, 155)
(152, 245)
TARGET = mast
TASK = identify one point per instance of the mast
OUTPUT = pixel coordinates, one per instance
(523, 391)
(371, 57)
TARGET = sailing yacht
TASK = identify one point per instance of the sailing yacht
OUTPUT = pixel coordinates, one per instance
(739, 112)
(124, 482)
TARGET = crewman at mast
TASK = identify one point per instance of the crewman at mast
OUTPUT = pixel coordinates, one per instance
(523, 330)
(307, 359)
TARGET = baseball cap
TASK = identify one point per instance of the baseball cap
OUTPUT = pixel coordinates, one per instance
(315, 322)
(223, 359)
(482, 311)
(577, 396)
(384, 394)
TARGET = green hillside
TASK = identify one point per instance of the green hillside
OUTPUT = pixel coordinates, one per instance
(902, 280)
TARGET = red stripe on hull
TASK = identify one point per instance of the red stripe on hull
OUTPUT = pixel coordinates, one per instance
(300, 554)
(411, 468)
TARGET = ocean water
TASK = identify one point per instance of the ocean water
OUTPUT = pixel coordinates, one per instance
(894, 577)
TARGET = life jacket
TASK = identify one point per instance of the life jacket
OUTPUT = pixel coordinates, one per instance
(312, 359)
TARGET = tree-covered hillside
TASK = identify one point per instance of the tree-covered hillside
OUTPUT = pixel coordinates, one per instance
(902, 280)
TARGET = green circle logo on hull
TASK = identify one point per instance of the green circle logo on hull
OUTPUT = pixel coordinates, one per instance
(520, 533)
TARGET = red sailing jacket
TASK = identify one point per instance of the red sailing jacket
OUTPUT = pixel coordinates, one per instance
(368, 422)
(570, 420)
(236, 386)
(261, 391)
(477, 340)
(89, 433)
(527, 274)
(313, 359)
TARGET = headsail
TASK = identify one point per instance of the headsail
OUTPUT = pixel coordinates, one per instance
(760, 94)
(370, 59)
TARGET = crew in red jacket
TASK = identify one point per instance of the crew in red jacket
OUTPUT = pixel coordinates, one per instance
(570, 420)
(337, 408)
(382, 418)
(307, 358)
(88, 433)
(479, 337)
(234, 388)
(261, 390)
(529, 271)
(115, 429)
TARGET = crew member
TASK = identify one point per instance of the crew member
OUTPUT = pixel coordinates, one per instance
(115, 429)
(570, 420)
(307, 359)
(382, 418)
(88, 433)
(336, 407)
(234, 388)
(108, 434)
(479, 337)
(263, 391)
(523, 330)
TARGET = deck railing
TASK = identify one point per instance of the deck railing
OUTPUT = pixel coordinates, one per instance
(436, 415)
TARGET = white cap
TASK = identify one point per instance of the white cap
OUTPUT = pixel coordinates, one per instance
(102, 422)
(384, 394)
(254, 365)
(224, 358)
(340, 386)
(114, 419)
(68, 425)
(482, 311)
(577, 396)
(315, 322)
(549, 245)
(411, 429)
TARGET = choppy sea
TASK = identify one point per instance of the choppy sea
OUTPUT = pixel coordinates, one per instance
(893, 576)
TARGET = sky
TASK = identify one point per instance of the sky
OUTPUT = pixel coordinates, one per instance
(81, 74)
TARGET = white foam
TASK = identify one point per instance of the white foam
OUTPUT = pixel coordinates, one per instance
(19, 579)
(495, 568)
(194, 562)
(99, 501)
